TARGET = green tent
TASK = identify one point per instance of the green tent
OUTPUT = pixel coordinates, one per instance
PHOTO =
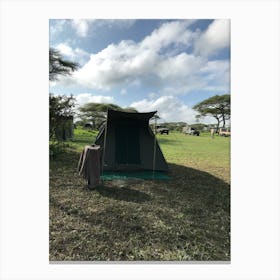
(128, 143)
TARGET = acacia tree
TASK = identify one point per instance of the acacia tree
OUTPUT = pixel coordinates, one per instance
(59, 66)
(96, 112)
(217, 106)
(59, 106)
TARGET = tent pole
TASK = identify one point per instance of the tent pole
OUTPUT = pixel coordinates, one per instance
(104, 144)
(154, 157)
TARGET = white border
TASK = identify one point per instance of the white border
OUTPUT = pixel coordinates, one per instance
(255, 141)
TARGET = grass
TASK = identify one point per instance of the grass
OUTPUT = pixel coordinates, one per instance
(183, 219)
(200, 152)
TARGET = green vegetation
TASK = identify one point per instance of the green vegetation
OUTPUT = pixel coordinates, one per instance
(185, 218)
(200, 152)
(217, 106)
(61, 108)
(61, 111)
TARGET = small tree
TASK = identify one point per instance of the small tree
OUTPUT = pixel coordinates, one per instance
(59, 107)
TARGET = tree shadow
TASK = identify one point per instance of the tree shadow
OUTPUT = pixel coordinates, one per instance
(167, 140)
(159, 219)
(123, 193)
(207, 193)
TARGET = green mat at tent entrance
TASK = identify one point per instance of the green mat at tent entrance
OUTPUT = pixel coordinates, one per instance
(123, 175)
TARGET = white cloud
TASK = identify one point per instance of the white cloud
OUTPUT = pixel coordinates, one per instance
(179, 66)
(65, 49)
(126, 62)
(77, 54)
(216, 37)
(147, 63)
(56, 27)
(169, 109)
(84, 98)
(81, 26)
(114, 23)
(217, 75)
(170, 33)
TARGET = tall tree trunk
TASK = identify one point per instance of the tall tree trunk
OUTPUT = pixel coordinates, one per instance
(218, 124)
(224, 121)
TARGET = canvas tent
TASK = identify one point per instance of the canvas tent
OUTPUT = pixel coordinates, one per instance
(128, 143)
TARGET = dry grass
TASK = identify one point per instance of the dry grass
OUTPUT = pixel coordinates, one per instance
(182, 219)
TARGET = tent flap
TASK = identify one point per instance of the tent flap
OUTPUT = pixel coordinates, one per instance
(130, 143)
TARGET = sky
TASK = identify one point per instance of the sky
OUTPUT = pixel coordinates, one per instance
(152, 65)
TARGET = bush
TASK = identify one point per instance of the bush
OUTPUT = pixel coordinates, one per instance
(56, 148)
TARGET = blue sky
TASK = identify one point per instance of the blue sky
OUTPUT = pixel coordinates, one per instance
(163, 65)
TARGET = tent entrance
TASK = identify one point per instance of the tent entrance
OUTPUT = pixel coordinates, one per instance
(127, 144)
(128, 175)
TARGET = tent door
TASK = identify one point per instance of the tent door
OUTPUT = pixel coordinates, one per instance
(127, 144)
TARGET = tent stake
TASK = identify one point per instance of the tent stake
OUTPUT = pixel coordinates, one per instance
(155, 141)
(104, 144)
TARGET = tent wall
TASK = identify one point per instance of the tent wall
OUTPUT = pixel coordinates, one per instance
(145, 144)
(147, 151)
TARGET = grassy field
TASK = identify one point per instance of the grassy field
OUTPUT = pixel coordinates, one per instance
(186, 218)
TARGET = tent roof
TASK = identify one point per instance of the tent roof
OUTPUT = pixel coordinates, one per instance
(119, 115)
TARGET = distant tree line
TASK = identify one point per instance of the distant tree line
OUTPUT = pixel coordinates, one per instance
(178, 126)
